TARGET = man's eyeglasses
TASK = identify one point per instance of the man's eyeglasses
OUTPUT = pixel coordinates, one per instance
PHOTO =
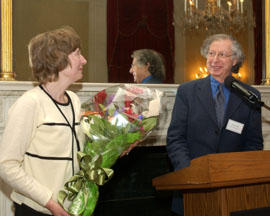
(136, 63)
(221, 55)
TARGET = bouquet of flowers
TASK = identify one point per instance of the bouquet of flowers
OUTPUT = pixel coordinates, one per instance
(114, 121)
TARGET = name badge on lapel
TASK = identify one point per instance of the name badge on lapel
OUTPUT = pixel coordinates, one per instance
(235, 126)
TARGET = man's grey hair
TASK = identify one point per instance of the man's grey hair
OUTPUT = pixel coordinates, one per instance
(236, 49)
(155, 60)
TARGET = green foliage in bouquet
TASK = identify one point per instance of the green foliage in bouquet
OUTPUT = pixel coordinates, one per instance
(115, 139)
(113, 120)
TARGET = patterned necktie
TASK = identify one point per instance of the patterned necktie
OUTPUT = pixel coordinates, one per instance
(220, 105)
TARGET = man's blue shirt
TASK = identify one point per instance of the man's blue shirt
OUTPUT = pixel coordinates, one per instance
(214, 87)
(147, 78)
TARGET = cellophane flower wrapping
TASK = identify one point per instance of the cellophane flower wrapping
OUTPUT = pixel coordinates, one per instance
(113, 120)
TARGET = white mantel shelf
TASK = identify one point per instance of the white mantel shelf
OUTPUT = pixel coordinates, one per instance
(11, 90)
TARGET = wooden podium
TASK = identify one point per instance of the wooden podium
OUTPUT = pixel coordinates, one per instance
(219, 184)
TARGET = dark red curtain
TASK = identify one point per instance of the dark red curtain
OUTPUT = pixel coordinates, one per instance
(138, 24)
(258, 41)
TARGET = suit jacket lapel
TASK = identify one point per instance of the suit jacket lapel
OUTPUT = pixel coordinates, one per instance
(233, 103)
(204, 94)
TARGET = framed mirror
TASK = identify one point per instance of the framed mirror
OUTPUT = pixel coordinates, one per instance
(21, 20)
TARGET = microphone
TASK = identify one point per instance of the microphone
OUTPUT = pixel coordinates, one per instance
(232, 84)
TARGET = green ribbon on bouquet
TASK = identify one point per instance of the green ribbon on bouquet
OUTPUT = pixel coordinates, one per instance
(92, 168)
(82, 188)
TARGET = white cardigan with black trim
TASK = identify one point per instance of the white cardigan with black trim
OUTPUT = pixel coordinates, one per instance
(38, 149)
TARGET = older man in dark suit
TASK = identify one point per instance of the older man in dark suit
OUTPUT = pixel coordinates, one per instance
(198, 127)
(147, 66)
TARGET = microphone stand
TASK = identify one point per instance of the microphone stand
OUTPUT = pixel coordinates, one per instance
(265, 106)
(249, 96)
(259, 103)
(255, 101)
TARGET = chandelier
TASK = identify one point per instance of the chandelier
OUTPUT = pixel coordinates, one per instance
(217, 16)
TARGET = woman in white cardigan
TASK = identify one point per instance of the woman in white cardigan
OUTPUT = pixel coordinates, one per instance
(41, 138)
